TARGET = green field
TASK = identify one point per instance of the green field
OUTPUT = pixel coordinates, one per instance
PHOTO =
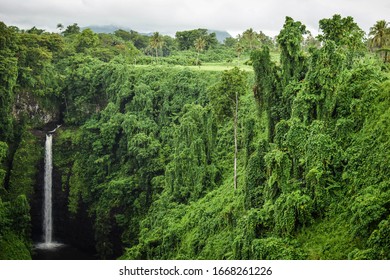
(244, 64)
(216, 67)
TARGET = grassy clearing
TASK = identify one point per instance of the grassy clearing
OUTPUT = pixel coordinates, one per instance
(217, 66)
(221, 67)
(213, 67)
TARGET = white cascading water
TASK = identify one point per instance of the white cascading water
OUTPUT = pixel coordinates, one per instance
(47, 224)
(47, 209)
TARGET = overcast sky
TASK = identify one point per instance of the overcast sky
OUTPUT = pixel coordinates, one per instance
(169, 16)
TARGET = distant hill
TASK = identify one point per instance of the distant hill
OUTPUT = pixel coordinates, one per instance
(112, 29)
(104, 28)
(221, 35)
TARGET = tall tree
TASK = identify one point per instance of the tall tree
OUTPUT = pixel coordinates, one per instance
(60, 27)
(292, 60)
(71, 30)
(310, 42)
(186, 39)
(267, 91)
(251, 38)
(8, 78)
(156, 42)
(139, 41)
(343, 31)
(380, 36)
(239, 50)
(225, 98)
(86, 40)
(35, 30)
(200, 44)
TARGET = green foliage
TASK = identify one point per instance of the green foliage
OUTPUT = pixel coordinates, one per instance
(8, 77)
(15, 229)
(24, 166)
(226, 93)
(20, 213)
(379, 241)
(189, 231)
(4, 218)
(292, 60)
(292, 210)
(329, 238)
(307, 167)
(273, 248)
(278, 166)
(368, 210)
(150, 159)
(267, 87)
(75, 185)
(3, 154)
(380, 38)
(36, 72)
(8, 74)
(192, 171)
(156, 42)
(126, 146)
(380, 34)
(256, 176)
(85, 40)
(343, 31)
(79, 97)
(13, 248)
(324, 78)
(139, 41)
(71, 30)
(186, 39)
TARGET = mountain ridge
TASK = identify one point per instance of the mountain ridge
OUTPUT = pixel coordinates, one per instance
(220, 34)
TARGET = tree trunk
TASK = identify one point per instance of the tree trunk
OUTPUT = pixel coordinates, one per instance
(235, 142)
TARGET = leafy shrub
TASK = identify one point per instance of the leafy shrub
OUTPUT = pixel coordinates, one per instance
(292, 210)
(274, 248)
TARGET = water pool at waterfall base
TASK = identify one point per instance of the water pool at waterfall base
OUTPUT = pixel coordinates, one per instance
(60, 251)
(48, 246)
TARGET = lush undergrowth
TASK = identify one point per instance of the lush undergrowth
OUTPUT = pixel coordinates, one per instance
(13, 248)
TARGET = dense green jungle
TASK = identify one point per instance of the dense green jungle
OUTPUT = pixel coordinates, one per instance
(191, 148)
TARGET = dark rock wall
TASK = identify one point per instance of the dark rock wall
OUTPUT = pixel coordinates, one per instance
(31, 107)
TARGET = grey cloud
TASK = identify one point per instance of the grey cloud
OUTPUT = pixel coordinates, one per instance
(173, 15)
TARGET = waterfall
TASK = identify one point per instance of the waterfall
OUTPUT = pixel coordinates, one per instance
(47, 205)
(47, 221)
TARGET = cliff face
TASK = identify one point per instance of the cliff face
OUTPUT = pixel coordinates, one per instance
(38, 111)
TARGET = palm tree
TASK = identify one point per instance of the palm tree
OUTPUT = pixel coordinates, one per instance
(250, 36)
(156, 42)
(200, 44)
(60, 27)
(380, 33)
(239, 50)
